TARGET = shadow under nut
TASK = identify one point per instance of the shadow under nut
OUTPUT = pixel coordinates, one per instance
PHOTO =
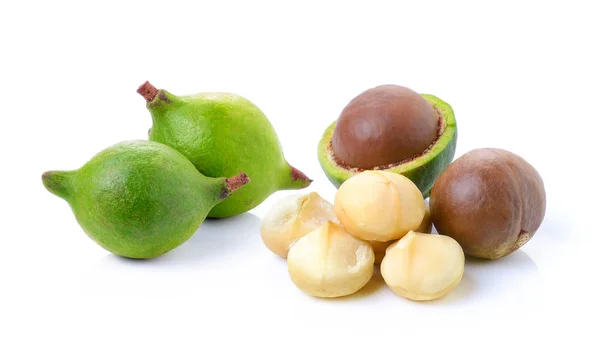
(489, 200)
(384, 125)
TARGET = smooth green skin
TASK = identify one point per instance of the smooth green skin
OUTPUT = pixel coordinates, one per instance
(137, 199)
(423, 171)
(224, 134)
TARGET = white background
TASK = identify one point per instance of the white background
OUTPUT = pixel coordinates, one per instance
(520, 75)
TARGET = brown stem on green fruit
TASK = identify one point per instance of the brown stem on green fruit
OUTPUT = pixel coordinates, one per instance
(298, 175)
(147, 91)
(235, 182)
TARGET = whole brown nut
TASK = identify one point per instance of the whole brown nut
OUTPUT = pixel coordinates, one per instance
(384, 125)
(490, 200)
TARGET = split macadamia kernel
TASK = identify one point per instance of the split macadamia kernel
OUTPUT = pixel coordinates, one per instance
(379, 205)
(423, 266)
(330, 262)
(291, 218)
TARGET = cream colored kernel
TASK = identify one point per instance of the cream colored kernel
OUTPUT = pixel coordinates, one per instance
(379, 205)
(292, 217)
(423, 266)
(330, 262)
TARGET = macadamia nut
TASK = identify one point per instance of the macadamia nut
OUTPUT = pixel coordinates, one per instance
(291, 218)
(490, 200)
(330, 262)
(423, 266)
(379, 205)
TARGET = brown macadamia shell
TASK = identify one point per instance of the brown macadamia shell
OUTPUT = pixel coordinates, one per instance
(384, 125)
(490, 200)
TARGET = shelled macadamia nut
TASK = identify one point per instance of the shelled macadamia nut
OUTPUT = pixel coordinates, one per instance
(379, 205)
(291, 218)
(423, 266)
(329, 262)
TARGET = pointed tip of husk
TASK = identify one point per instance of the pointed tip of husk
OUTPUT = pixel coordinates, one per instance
(58, 183)
(296, 179)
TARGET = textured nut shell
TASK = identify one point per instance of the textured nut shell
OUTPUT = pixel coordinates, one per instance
(490, 200)
(291, 218)
(384, 125)
(329, 262)
(423, 266)
(379, 205)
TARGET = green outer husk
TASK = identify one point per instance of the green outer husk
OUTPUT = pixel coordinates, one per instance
(423, 170)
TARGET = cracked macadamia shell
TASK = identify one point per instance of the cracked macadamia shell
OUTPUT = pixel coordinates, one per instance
(292, 217)
(379, 205)
(329, 262)
(490, 200)
(423, 266)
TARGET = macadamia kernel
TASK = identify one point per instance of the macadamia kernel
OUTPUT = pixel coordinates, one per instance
(423, 266)
(291, 218)
(379, 205)
(330, 262)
